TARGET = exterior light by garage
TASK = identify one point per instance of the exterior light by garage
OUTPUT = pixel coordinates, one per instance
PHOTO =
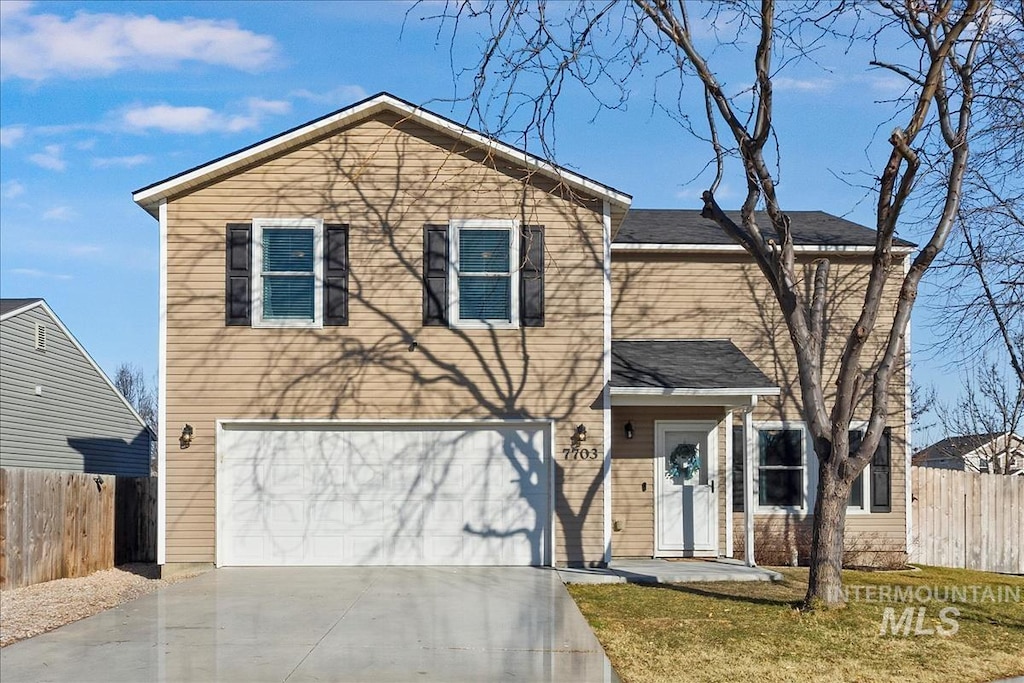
(185, 440)
(629, 430)
(581, 433)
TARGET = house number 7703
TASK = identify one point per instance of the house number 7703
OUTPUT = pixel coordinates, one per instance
(581, 453)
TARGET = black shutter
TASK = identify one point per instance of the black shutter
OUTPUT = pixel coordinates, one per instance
(881, 474)
(435, 274)
(531, 277)
(739, 461)
(335, 274)
(238, 275)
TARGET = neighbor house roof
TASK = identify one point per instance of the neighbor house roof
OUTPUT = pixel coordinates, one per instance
(955, 446)
(151, 196)
(815, 229)
(699, 366)
(12, 305)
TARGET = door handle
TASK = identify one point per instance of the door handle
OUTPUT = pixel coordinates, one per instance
(712, 482)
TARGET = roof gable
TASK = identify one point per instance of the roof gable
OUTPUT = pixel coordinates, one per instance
(12, 307)
(151, 196)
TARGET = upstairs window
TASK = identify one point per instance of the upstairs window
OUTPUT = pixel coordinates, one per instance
(289, 268)
(485, 273)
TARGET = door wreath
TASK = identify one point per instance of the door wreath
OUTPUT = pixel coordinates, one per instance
(683, 461)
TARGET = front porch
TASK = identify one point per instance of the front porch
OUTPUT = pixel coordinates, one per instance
(672, 447)
(668, 571)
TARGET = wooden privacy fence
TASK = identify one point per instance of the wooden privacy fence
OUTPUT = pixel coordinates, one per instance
(61, 525)
(968, 520)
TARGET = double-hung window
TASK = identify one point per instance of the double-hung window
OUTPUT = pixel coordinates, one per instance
(484, 273)
(288, 272)
(781, 467)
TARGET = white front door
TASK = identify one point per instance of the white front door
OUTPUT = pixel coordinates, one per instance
(686, 519)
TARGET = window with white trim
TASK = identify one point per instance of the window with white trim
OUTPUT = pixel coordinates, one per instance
(484, 275)
(781, 467)
(859, 497)
(288, 272)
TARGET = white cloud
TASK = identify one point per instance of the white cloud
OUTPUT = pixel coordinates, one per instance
(11, 135)
(38, 46)
(810, 85)
(121, 162)
(50, 158)
(59, 213)
(32, 272)
(12, 189)
(725, 191)
(195, 120)
(342, 95)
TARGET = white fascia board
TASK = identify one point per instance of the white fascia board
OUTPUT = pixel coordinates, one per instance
(657, 391)
(150, 197)
(85, 354)
(370, 423)
(736, 248)
(23, 309)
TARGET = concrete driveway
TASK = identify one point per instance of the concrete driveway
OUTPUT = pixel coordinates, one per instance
(328, 624)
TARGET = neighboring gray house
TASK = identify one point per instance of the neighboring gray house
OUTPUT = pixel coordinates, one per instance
(58, 410)
(975, 453)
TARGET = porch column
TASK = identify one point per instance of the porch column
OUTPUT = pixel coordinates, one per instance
(748, 484)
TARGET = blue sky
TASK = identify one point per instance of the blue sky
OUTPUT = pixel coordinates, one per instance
(102, 98)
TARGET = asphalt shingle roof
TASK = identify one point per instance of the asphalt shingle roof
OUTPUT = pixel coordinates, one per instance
(8, 305)
(954, 446)
(678, 226)
(684, 364)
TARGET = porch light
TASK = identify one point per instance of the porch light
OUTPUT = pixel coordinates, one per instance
(581, 432)
(629, 430)
(185, 440)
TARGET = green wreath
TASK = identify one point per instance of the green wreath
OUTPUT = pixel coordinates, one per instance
(683, 461)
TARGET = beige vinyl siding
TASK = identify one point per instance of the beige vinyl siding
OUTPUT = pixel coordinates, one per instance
(385, 178)
(693, 296)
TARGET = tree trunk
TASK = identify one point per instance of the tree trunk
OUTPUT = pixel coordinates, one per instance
(825, 583)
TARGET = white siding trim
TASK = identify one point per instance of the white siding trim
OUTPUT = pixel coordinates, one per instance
(736, 248)
(18, 311)
(606, 485)
(668, 391)
(148, 198)
(908, 510)
(728, 485)
(748, 485)
(161, 472)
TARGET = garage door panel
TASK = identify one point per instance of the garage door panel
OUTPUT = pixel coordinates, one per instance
(375, 496)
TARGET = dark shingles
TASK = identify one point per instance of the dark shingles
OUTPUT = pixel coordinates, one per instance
(677, 226)
(954, 446)
(8, 305)
(684, 364)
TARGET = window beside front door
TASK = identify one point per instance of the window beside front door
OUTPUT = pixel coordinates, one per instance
(781, 467)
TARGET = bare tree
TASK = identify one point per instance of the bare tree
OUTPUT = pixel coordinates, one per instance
(131, 382)
(992, 406)
(534, 50)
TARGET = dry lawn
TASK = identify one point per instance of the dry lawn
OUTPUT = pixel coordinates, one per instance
(752, 631)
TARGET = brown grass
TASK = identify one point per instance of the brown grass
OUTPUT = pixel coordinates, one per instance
(752, 631)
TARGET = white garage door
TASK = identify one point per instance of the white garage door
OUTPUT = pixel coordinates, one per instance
(412, 496)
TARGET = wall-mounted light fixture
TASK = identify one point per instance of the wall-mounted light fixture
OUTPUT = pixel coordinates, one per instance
(185, 440)
(629, 430)
(581, 433)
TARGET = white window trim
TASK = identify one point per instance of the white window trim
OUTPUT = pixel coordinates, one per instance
(512, 227)
(258, 225)
(865, 509)
(806, 496)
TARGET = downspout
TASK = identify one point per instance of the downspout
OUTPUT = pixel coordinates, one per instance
(748, 484)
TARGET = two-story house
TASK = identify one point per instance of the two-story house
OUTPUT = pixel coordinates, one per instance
(388, 339)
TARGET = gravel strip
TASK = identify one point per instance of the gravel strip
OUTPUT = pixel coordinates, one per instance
(31, 610)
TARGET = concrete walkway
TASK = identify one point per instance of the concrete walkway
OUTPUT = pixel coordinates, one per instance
(669, 571)
(328, 624)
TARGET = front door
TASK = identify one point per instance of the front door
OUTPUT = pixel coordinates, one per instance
(686, 521)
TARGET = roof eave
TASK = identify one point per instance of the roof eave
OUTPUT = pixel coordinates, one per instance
(645, 247)
(149, 197)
